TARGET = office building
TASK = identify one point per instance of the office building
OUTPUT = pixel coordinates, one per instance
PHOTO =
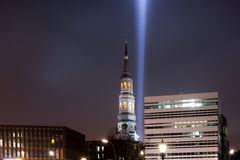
(190, 124)
(40, 143)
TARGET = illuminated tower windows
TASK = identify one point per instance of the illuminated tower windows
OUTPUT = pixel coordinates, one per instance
(120, 105)
(125, 105)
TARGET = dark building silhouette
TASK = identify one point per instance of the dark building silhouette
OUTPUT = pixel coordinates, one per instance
(235, 156)
(224, 145)
(119, 149)
(40, 143)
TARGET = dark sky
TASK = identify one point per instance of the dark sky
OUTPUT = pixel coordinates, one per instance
(60, 61)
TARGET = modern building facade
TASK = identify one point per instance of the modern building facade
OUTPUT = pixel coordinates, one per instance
(126, 115)
(40, 143)
(115, 149)
(190, 124)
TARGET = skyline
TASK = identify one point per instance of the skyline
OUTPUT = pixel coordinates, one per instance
(61, 61)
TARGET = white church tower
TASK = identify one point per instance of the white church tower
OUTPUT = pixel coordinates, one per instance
(126, 115)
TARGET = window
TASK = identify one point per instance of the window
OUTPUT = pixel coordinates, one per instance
(125, 85)
(1, 142)
(98, 156)
(129, 85)
(98, 149)
(52, 140)
(120, 105)
(125, 105)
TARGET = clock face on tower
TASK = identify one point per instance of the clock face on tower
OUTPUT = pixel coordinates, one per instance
(124, 126)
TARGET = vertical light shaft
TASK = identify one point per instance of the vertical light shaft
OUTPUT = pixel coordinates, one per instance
(141, 31)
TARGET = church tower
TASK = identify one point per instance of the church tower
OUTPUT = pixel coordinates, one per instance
(126, 114)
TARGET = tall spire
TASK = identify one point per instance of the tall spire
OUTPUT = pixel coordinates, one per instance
(125, 63)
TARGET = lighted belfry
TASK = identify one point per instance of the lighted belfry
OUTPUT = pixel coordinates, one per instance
(126, 115)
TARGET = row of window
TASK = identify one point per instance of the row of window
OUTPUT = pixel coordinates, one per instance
(183, 143)
(126, 106)
(185, 153)
(192, 136)
(19, 143)
(183, 112)
(183, 122)
(182, 133)
(126, 85)
(8, 153)
(176, 114)
(181, 103)
(182, 126)
(181, 116)
(9, 132)
(184, 157)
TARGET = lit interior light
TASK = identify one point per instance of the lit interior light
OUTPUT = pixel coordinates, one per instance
(53, 141)
(51, 153)
(231, 152)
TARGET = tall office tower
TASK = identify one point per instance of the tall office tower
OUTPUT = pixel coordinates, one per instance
(126, 115)
(19, 142)
(190, 124)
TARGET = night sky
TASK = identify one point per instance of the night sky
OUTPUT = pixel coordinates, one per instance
(60, 61)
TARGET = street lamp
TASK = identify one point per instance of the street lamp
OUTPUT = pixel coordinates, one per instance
(231, 152)
(83, 158)
(114, 151)
(163, 149)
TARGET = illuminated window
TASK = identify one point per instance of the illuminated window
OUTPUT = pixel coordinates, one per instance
(125, 105)
(52, 140)
(1, 142)
(121, 85)
(23, 153)
(196, 134)
(125, 85)
(98, 148)
(129, 85)
(61, 154)
(120, 105)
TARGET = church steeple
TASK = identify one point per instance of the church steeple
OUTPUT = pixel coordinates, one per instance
(126, 115)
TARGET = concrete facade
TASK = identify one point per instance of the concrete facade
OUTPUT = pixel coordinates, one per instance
(188, 123)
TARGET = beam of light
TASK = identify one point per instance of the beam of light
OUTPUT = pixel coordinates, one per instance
(141, 31)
